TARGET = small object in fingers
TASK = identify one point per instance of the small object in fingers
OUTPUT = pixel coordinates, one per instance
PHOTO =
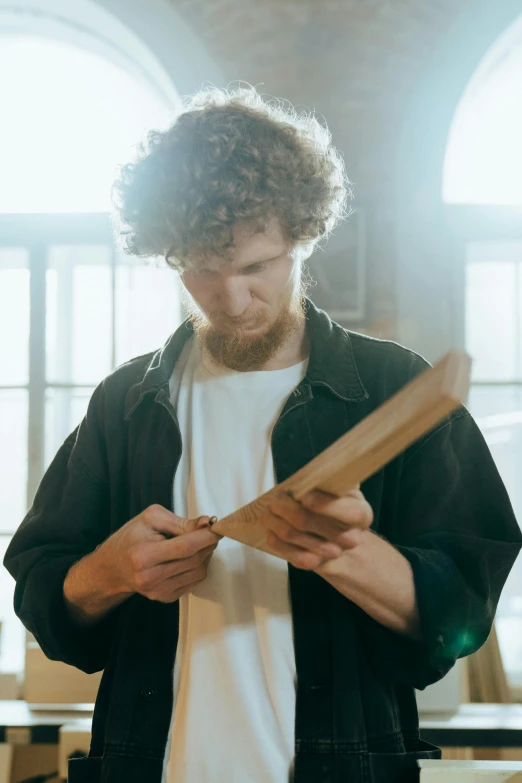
(212, 521)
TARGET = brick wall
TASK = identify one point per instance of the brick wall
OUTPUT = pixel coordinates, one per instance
(354, 61)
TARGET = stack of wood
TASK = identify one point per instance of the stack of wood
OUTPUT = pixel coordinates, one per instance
(487, 678)
(488, 684)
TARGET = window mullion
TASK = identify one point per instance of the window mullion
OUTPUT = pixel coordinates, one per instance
(36, 424)
(516, 295)
(64, 339)
(113, 306)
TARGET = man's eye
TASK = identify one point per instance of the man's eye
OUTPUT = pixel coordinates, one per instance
(252, 270)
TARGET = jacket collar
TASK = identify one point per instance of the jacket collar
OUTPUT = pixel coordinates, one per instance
(331, 364)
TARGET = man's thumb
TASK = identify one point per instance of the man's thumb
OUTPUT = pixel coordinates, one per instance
(189, 525)
(169, 524)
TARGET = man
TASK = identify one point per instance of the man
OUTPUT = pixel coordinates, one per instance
(223, 663)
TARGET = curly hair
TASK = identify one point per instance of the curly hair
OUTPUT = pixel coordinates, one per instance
(230, 156)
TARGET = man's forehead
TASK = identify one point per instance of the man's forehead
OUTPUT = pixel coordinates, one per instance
(250, 247)
(249, 244)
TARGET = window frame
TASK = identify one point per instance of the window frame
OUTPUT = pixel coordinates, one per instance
(35, 233)
(466, 224)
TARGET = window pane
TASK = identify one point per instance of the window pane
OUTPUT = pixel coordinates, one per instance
(14, 316)
(13, 458)
(486, 401)
(79, 314)
(483, 158)
(64, 409)
(491, 319)
(498, 412)
(147, 307)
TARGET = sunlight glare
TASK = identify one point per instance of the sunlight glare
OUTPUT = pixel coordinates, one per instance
(69, 117)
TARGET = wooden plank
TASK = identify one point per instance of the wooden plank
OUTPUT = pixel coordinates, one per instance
(432, 771)
(366, 448)
(487, 678)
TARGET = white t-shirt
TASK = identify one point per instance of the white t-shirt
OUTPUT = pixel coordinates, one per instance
(234, 677)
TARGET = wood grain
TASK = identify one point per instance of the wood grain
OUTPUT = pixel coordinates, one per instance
(366, 448)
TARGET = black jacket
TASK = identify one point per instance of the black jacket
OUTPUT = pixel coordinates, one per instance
(441, 503)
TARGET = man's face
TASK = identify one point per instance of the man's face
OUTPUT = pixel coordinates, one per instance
(244, 310)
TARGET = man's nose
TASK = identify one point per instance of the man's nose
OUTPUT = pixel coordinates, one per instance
(234, 297)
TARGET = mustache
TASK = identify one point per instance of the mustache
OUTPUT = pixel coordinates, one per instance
(220, 320)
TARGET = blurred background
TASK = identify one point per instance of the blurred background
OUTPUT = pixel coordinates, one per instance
(423, 98)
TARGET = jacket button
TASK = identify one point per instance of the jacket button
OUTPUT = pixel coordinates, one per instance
(148, 694)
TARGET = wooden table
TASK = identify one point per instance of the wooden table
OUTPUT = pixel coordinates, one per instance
(475, 725)
(24, 724)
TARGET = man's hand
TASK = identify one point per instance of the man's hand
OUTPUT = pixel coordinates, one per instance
(161, 555)
(157, 554)
(316, 529)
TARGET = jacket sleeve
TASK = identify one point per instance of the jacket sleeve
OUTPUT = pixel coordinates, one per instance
(455, 525)
(69, 518)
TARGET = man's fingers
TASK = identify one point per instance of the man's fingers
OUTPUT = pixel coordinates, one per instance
(304, 520)
(199, 523)
(175, 567)
(351, 510)
(183, 546)
(161, 520)
(300, 558)
(334, 521)
(172, 589)
(289, 535)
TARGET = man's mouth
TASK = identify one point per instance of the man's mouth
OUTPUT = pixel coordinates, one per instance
(240, 327)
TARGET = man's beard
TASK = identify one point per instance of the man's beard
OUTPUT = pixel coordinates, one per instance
(238, 350)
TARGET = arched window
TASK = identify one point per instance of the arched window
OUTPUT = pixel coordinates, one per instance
(483, 192)
(483, 162)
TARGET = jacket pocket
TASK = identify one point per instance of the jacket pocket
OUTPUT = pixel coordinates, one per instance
(400, 767)
(86, 769)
